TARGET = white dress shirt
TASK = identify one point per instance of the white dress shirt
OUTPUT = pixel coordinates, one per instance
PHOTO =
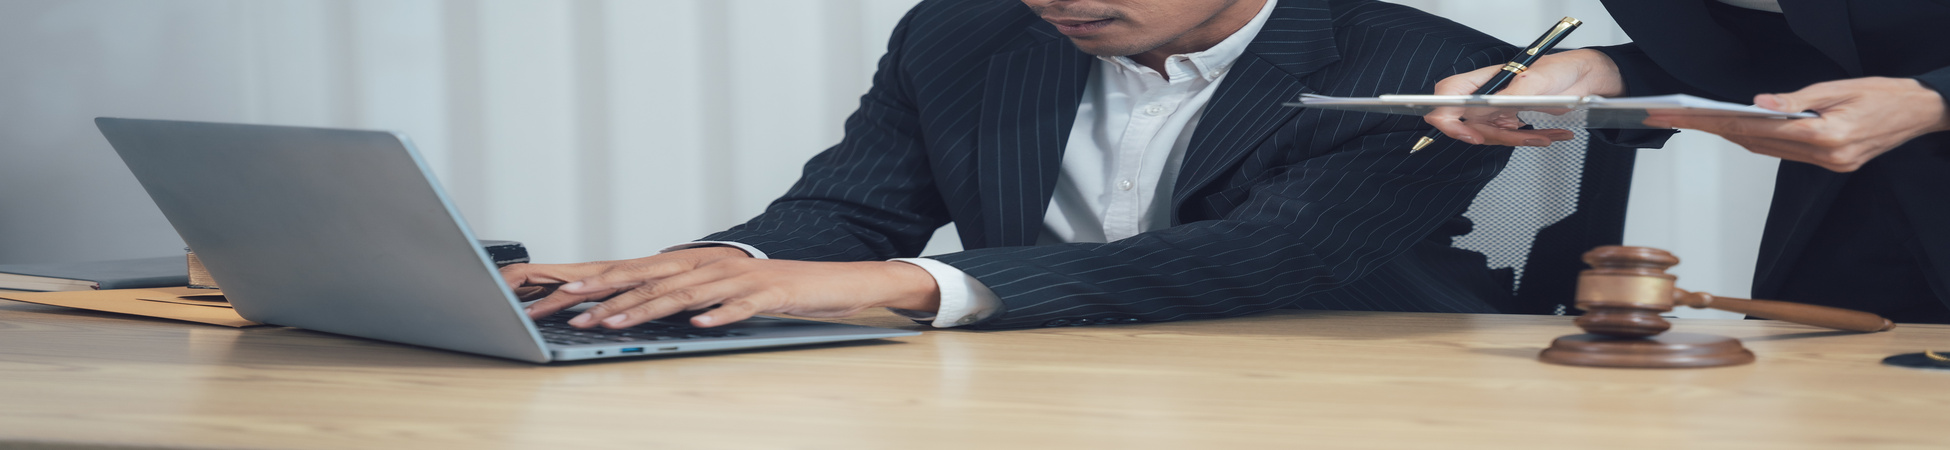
(1119, 165)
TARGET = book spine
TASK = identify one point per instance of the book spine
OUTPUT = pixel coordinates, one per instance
(145, 282)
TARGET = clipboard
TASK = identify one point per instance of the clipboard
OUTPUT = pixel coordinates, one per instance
(1594, 111)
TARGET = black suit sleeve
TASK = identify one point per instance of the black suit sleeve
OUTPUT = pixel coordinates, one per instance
(1940, 81)
(871, 197)
(1310, 227)
(1642, 77)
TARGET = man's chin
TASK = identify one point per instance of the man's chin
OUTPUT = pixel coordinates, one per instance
(1098, 46)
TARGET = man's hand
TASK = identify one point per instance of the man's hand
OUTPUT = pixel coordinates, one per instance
(646, 289)
(533, 281)
(1576, 72)
(1860, 119)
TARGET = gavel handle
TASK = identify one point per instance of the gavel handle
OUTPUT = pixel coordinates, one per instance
(1820, 316)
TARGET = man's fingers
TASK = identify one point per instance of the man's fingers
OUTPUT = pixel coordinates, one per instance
(1443, 114)
(628, 275)
(674, 301)
(640, 294)
(1466, 83)
(634, 315)
(517, 275)
(1520, 138)
(531, 281)
(557, 301)
(729, 311)
(1815, 97)
(563, 297)
(1448, 119)
(1778, 102)
(567, 285)
(1448, 124)
(1809, 99)
(526, 293)
(1510, 122)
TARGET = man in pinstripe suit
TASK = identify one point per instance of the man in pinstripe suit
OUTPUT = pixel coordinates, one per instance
(1105, 161)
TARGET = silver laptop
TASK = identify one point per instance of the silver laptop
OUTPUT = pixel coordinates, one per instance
(346, 232)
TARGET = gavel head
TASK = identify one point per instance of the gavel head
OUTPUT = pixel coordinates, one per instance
(1624, 291)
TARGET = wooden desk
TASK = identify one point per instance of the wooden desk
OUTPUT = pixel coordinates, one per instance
(1289, 379)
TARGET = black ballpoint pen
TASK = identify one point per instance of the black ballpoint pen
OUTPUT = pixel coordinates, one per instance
(1516, 66)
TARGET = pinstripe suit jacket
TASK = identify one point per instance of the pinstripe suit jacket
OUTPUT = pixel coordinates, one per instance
(1275, 207)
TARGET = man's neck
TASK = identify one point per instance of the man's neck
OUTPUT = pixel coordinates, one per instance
(1204, 36)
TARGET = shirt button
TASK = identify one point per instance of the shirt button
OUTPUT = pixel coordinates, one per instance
(1214, 74)
(1124, 185)
(1154, 110)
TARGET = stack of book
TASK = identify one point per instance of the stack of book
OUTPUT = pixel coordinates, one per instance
(140, 273)
(162, 271)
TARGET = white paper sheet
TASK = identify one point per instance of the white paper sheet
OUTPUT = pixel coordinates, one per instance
(1598, 112)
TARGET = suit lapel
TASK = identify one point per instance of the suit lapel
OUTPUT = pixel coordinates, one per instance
(1297, 40)
(1825, 25)
(1028, 106)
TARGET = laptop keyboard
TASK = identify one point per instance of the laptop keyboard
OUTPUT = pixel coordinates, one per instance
(556, 330)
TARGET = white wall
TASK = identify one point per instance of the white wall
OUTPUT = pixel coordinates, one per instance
(589, 129)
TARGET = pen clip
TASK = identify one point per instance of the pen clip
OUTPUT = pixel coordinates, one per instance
(1562, 26)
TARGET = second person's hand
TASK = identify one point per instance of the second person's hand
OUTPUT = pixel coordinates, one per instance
(1575, 72)
(1861, 118)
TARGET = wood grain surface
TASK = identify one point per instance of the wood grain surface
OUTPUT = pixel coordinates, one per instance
(1289, 379)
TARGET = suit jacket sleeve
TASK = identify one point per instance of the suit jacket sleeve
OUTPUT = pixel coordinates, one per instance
(1642, 78)
(1940, 81)
(1311, 227)
(871, 197)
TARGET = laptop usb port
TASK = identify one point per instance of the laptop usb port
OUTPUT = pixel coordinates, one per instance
(665, 349)
(631, 350)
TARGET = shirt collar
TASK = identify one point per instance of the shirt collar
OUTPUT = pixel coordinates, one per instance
(1211, 63)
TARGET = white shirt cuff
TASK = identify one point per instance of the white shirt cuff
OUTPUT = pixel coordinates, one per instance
(963, 299)
(748, 249)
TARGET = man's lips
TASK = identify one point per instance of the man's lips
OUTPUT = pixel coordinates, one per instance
(1074, 27)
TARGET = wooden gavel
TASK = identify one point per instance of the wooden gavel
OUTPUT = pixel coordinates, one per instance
(1627, 287)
